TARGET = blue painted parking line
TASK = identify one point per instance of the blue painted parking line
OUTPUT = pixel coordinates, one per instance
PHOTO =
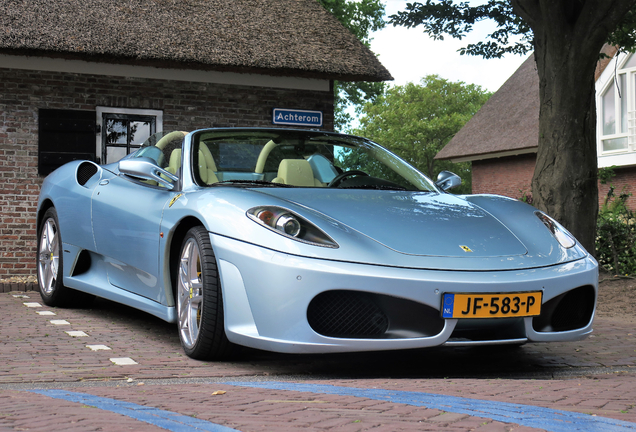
(525, 415)
(157, 417)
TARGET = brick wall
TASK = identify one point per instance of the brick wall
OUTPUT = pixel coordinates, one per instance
(623, 182)
(512, 176)
(185, 105)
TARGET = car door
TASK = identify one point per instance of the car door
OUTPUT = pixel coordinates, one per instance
(127, 229)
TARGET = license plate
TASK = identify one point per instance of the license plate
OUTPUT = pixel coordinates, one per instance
(522, 304)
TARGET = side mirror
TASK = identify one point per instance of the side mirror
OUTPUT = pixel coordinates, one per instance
(147, 169)
(447, 180)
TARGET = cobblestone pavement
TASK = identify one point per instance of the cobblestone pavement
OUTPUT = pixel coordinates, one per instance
(51, 380)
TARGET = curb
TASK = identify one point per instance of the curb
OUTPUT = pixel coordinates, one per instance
(6, 287)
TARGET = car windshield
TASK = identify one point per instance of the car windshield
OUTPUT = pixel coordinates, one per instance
(296, 158)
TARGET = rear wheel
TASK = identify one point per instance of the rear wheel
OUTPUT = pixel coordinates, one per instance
(199, 299)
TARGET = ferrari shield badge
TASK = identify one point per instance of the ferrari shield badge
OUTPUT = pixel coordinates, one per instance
(174, 200)
(465, 248)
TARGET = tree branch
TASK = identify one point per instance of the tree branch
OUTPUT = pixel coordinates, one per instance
(600, 18)
(529, 10)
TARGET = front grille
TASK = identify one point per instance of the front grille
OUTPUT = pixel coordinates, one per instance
(346, 314)
(85, 171)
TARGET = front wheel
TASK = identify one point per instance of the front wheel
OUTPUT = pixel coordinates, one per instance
(199, 300)
(49, 265)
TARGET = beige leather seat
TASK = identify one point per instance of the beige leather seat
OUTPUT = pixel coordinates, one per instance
(173, 165)
(207, 166)
(175, 162)
(296, 172)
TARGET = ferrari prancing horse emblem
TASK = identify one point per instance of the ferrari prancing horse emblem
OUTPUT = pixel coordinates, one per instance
(465, 248)
(173, 200)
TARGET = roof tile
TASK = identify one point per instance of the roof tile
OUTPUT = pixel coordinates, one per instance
(508, 121)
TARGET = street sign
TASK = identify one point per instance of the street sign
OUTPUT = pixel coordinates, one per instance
(294, 117)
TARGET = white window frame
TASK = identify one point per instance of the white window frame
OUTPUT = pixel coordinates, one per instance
(619, 96)
(100, 110)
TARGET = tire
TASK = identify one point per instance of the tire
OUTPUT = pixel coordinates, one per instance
(199, 300)
(49, 261)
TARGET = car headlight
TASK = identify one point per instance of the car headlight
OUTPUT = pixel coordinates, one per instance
(564, 238)
(290, 225)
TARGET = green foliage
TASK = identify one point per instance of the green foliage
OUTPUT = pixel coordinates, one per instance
(512, 34)
(361, 18)
(615, 236)
(606, 174)
(438, 18)
(526, 197)
(615, 246)
(624, 35)
(416, 121)
(353, 94)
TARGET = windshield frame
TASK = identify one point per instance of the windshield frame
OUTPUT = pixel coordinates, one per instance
(272, 139)
(276, 136)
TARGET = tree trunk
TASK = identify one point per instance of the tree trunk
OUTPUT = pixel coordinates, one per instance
(568, 37)
(564, 184)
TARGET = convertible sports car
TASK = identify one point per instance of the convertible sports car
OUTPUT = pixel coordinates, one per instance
(307, 242)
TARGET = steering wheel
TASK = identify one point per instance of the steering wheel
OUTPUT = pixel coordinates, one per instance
(340, 177)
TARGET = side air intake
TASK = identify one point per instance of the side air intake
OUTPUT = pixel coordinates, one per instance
(85, 171)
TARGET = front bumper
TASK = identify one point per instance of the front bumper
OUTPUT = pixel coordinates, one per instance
(267, 294)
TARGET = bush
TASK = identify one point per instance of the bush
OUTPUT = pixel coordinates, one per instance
(615, 235)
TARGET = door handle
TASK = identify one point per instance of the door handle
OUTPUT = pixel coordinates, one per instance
(103, 182)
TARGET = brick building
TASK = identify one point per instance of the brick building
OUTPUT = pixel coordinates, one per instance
(92, 79)
(501, 139)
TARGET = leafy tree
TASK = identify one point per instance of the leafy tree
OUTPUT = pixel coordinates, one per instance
(361, 18)
(416, 121)
(566, 36)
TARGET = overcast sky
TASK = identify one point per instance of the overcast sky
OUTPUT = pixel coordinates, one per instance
(409, 55)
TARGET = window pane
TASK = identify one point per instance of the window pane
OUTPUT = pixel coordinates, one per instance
(139, 132)
(609, 115)
(631, 62)
(113, 154)
(622, 79)
(615, 144)
(116, 131)
(238, 156)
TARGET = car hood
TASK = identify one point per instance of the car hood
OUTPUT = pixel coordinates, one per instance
(413, 223)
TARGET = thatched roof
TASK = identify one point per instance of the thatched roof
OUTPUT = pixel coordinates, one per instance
(507, 124)
(276, 37)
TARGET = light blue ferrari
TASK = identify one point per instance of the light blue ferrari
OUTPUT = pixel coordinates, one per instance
(307, 242)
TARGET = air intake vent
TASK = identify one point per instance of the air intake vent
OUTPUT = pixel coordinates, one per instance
(85, 171)
(346, 314)
(569, 311)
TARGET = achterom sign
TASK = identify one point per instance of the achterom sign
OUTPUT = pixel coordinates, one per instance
(294, 117)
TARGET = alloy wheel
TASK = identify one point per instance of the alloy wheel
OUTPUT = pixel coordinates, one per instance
(190, 293)
(49, 256)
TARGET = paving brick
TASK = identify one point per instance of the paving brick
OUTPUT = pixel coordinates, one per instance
(447, 418)
(34, 352)
(499, 427)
